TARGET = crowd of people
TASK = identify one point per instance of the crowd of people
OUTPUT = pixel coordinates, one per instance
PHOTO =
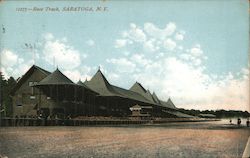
(239, 122)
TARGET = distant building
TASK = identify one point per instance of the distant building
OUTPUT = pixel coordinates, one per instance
(207, 116)
(161, 108)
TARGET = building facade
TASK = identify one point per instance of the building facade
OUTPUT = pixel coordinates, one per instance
(40, 93)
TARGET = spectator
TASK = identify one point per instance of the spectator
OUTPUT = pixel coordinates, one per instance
(239, 121)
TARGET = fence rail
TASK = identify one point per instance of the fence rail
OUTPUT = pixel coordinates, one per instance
(12, 122)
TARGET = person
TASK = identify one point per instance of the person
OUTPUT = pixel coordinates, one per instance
(248, 122)
(239, 121)
(16, 120)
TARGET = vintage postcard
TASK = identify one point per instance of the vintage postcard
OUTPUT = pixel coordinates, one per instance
(123, 78)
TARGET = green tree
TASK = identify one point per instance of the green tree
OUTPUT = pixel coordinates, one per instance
(3, 84)
(5, 99)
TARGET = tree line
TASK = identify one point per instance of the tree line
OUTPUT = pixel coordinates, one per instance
(5, 98)
(218, 113)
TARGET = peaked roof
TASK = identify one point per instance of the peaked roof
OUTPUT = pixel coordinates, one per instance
(155, 98)
(149, 96)
(166, 104)
(31, 70)
(170, 103)
(131, 95)
(56, 78)
(100, 84)
(80, 83)
(137, 87)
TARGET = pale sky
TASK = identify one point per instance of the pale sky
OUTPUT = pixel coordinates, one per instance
(195, 52)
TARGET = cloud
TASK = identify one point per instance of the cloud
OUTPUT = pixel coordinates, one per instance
(48, 36)
(135, 33)
(122, 65)
(179, 36)
(156, 32)
(60, 52)
(74, 75)
(90, 42)
(193, 88)
(150, 37)
(151, 45)
(8, 58)
(179, 72)
(113, 76)
(85, 72)
(153, 31)
(169, 44)
(120, 43)
(197, 62)
(21, 69)
(140, 59)
(170, 28)
(196, 50)
(185, 56)
(194, 56)
(13, 65)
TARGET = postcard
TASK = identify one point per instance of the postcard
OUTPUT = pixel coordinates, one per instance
(107, 78)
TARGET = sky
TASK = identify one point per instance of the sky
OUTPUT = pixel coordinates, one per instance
(195, 52)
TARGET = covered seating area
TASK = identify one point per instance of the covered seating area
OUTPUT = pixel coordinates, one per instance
(60, 96)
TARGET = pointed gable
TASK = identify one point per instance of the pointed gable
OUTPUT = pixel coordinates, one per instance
(155, 98)
(80, 83)
(149, 96)
(100, 84)
(56, 78)
(137, 87)
(170, 103)
(33, 69)
(86, 81)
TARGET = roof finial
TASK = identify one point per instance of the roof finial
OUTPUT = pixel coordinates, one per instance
(99, 67)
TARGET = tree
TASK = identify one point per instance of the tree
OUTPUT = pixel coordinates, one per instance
(3, 84)
(5, 99)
